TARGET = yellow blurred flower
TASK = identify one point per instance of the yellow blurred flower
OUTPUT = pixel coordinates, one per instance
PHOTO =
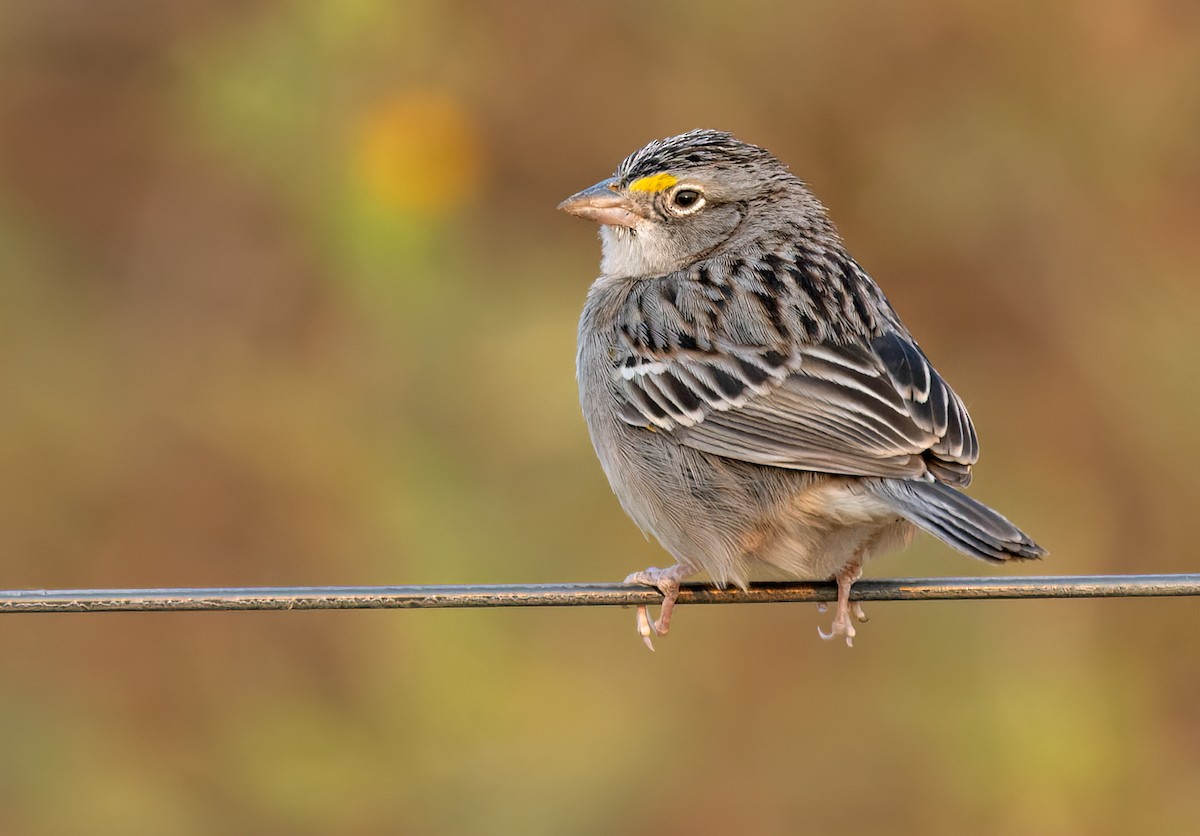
(418, 152)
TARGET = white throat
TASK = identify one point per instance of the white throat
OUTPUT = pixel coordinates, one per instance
(642, 251)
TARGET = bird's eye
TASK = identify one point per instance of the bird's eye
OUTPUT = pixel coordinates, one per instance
(687, 200)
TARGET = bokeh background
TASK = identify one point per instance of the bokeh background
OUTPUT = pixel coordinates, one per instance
(284, 300)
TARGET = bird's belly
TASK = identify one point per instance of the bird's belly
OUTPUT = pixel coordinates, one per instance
(738, 521)
(825, 525)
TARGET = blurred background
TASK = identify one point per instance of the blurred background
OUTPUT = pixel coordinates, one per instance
(284, 300)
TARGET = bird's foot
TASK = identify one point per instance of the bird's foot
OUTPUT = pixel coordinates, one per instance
(842, 625)
(667, 582)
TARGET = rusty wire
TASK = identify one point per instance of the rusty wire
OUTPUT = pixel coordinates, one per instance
(586, 594)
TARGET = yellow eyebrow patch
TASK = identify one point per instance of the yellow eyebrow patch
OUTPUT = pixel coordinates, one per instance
(653, 183)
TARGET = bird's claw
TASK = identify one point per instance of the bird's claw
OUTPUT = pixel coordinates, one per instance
(841, 627)
(645, 626)
(667, 582)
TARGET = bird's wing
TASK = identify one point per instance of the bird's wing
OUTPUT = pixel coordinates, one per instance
(866, 407)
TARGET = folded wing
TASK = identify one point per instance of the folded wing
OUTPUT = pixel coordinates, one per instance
(871, 407)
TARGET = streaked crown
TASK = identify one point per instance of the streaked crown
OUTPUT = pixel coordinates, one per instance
(649, 168)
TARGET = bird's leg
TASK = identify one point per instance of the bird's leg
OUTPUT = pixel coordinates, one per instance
(667, 582)
(842, 625)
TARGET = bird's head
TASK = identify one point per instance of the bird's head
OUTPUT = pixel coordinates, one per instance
(686, 198)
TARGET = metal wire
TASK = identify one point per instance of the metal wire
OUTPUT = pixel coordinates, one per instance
(587, 594)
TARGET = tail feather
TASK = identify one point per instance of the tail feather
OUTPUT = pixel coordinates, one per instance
(952, 516)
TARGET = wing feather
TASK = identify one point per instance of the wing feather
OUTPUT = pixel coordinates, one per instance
(727, 373)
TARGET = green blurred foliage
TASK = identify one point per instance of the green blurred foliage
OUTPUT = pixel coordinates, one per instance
(284, 300)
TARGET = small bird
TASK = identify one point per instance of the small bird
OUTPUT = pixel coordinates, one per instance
(753, 397)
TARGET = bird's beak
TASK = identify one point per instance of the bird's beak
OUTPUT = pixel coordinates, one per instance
(603, 203)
